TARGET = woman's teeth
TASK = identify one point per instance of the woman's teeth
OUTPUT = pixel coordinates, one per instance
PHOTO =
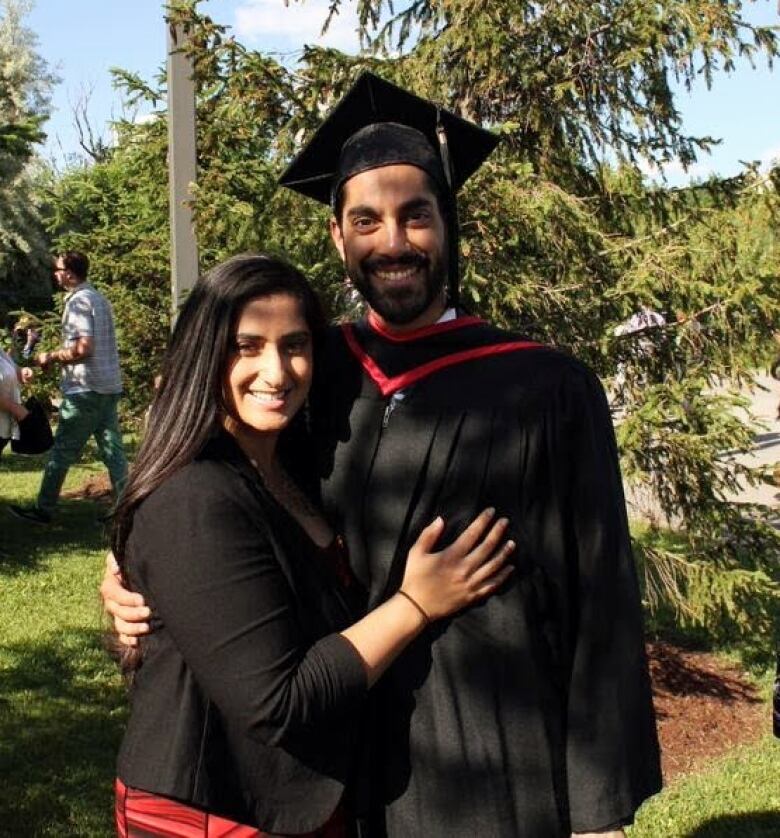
(268, 397)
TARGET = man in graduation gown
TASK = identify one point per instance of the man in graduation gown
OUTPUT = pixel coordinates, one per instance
(529, 716)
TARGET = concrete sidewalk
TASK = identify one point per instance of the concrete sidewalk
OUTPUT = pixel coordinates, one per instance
(764, 399)
(766, 448)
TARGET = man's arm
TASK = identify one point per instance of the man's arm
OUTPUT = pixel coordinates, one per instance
(130, 613)
(18, 411)
(612, 747)
(81, 348)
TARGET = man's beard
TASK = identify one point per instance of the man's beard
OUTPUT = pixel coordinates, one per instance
(401, 304)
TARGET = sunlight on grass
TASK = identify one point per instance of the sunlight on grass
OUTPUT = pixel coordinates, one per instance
(738, 796)
(61, 702)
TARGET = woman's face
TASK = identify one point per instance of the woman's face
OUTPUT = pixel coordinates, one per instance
(270, 368)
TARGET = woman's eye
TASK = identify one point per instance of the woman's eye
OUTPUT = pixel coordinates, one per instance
(246, 350)
(296, 347)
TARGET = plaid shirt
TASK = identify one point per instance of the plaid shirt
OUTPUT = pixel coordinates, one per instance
(88, 313)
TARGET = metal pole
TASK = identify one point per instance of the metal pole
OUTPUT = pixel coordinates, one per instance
(181, 167)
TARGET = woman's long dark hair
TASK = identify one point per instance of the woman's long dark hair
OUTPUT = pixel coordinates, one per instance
(185, 411)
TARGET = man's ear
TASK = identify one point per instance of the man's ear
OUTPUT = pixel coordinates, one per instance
(337, 236)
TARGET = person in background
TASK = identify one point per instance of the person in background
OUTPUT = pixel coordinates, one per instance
(27, 333)
(91, 385)
(12, 411)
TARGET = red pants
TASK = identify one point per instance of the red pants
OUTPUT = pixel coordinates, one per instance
(141, 814)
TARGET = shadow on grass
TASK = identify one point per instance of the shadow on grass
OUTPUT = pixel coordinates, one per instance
(748, 825)
(76, 528)
(675, 675)
(18, 464)
(61, 721)
(11, 463)
(756, 654)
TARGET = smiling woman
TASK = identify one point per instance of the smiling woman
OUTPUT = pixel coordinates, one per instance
(270, 374)
(247, 695)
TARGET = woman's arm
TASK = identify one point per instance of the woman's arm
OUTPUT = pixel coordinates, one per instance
(208, 570)
(203, 557)
(435, 584)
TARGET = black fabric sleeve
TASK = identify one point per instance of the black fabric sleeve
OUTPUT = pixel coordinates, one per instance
(612, 748)
(200, 549)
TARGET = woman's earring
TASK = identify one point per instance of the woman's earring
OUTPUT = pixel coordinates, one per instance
(227, 422)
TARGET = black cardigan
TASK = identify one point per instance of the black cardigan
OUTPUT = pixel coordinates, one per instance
(246, 700)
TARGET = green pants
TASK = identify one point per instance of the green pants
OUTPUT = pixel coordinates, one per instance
(84, 415)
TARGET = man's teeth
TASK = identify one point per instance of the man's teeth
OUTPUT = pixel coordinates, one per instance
(405, 273)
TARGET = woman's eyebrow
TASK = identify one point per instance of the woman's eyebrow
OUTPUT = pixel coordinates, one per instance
(300, 333)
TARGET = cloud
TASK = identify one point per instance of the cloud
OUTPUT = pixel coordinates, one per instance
(674, 171)
(770, 157)
(274, 25)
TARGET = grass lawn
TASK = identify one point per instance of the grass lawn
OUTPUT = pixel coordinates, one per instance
(62, 705)
(737, 796)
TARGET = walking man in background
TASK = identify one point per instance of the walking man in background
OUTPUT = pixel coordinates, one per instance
(91, 385)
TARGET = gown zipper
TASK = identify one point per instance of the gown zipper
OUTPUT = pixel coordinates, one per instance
(389, 408)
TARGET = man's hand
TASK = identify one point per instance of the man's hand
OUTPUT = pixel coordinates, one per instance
(26, 375)
(19, 412)
(43, 359)
(127, 608)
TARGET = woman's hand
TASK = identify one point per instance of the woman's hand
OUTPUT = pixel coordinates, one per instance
(26, 375)
(467, 571)
(435, 584)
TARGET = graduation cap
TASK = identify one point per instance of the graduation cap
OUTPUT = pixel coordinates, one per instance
(379, 124)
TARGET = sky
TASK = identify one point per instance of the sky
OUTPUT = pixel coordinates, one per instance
(82, 39)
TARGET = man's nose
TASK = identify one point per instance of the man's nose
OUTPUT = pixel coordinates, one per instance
(395, 239)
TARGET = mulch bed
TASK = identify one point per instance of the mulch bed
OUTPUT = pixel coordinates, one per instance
(704, 705)
(93, 488)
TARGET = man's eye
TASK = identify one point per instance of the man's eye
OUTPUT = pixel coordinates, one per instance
(364, 223)
(419, 217)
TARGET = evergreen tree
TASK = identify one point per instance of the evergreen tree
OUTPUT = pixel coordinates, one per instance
(24, 106)
(563, 238)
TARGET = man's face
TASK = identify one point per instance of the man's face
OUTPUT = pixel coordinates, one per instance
(393, 241)
(64, 277)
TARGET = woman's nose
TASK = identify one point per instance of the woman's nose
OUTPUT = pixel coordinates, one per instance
(272, 369)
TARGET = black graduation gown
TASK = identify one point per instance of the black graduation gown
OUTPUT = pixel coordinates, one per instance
(531, 714)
